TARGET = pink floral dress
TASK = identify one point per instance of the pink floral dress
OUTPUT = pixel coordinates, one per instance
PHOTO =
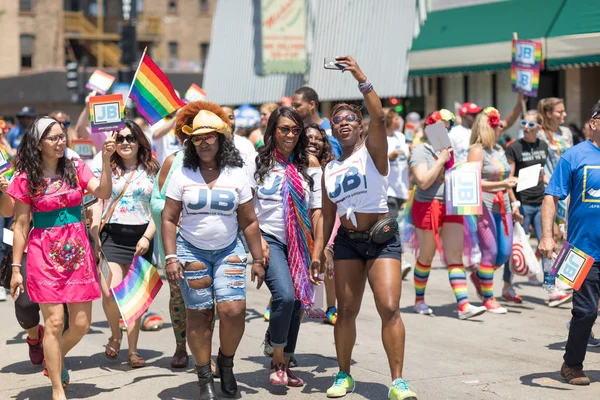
(60, 262)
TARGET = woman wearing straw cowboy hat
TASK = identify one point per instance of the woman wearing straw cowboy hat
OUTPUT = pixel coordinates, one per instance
(212, 195)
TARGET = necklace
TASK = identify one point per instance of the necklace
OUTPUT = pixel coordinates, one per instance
(208, 169)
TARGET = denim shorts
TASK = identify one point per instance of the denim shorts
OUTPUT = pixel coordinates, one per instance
(350, 246)
(226, 280)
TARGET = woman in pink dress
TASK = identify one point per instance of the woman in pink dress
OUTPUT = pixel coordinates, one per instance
(48, 190)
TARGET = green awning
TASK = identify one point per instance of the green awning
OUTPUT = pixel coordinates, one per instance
(575, 36)
(478, 38)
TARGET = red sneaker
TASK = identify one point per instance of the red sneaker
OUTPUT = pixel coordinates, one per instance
(476, 283)
(510, 295)
(293, 380)
(36, 347)
(278, 376)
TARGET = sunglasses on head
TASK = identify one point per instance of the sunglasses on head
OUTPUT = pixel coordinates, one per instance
(528, 124)
(209, 139)
(285, 130)
(129, 138)
(347, 117)
(66, 124)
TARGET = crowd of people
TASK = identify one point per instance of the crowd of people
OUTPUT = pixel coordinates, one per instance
(303, 199)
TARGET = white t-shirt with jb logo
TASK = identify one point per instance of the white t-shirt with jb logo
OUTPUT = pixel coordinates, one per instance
(209, 216)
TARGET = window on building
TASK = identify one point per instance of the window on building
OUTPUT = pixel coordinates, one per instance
(25, 5)
(203, 6)
(203, 54)
(27, 42)
(172, 6)
(173, 51)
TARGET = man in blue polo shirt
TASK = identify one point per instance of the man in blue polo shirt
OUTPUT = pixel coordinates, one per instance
(577, 175)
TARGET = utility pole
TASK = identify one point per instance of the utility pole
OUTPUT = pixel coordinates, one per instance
(100, 33)
(129, 45)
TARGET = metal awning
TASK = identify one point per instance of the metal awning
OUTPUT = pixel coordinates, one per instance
(377, 34)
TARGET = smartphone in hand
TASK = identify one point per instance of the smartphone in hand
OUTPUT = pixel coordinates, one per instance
(331, 63)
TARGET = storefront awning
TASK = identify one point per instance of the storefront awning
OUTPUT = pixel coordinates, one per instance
(479, 38)
(574, 39)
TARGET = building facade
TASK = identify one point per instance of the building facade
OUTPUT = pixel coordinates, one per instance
(39, 37)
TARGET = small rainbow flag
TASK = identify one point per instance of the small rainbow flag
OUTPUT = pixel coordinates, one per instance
(6, 164)
(137, 291)
(195, 93)
(152, 92)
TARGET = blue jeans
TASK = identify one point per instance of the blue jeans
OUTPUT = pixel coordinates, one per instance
(227, 279)
(284, 323)
(585, 311)
(532, 216)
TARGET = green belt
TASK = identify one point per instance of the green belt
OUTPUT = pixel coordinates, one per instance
(58, 217)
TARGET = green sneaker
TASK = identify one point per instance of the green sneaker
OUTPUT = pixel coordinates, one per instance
(400, 390)
(342, 384)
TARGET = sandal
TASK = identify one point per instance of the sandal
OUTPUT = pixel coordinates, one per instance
(114, 346)
(64, 375)
(136, 361)
(180, 359)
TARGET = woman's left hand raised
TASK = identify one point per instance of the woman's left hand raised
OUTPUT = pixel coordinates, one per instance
(352, 66)
(142, 246)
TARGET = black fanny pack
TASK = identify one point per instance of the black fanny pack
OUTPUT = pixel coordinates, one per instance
(384, 230)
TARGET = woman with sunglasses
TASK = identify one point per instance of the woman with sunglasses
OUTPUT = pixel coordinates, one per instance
(435, 230)
(523, 153)
(48, 188)
(210, 198)
(356, 190)
(288, 206)
(128, 227)
(495, 226)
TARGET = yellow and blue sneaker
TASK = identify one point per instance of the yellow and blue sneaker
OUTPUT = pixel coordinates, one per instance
(342, 384)
(401, 390)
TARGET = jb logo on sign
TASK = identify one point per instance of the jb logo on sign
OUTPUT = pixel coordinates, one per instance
(107, 113)
(465, 188)
(571, 266)
(525, 53)
(524, 79)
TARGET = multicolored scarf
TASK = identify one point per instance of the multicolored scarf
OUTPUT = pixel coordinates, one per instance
(298, 232)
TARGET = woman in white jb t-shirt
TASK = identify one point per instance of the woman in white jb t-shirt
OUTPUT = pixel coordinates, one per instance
(288, 206)
(356, 189)
(212, 195)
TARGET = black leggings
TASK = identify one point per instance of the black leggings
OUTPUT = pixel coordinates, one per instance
(28, 312)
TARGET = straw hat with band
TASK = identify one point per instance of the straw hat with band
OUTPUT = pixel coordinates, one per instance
(206, 122)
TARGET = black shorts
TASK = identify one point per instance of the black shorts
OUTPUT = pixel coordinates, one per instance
(349, 245)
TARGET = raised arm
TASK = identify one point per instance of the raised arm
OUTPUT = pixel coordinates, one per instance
(102, 188)
(515, 113)
(377, 138)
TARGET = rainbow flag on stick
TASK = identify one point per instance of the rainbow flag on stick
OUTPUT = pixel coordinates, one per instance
(137, 291)
(152, 91)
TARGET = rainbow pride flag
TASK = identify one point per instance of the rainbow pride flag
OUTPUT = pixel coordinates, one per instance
(152, 92)
(137, 291)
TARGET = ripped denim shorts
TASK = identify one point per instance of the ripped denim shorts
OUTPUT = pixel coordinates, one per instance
(210, 274)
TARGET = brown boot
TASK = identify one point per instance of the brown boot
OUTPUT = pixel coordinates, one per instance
(574, 375)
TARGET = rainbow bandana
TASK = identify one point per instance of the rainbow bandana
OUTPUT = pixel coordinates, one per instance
(298, 232)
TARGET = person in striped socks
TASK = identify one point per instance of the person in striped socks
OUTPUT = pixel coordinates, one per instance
(435, 230)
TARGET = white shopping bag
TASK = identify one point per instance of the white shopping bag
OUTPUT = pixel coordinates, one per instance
(523, 260)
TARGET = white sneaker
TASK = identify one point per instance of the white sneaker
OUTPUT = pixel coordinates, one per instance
(471, 311)
(422, 308)
(2, 294)
(406, 268)
(533, 280)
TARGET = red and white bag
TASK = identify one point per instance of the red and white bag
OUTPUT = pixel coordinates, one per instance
(523, 260)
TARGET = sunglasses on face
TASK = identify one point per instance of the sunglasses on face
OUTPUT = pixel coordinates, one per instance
(285, 130)
(347, 117)
(528, 124)
(129, 138)
(56, 138)
(66, 124)
(209, 139)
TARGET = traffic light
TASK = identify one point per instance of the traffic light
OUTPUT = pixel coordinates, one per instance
(128, 44)
(73, 76)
